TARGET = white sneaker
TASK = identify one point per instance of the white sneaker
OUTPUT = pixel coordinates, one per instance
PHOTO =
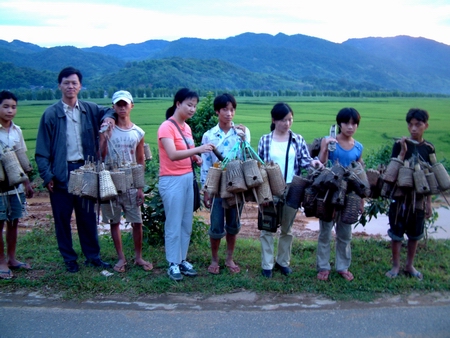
(174, 272)
(187, 269)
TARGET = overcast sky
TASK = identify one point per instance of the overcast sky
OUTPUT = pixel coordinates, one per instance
(85, 23)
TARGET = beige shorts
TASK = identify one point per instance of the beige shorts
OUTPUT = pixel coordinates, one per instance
(126, 202)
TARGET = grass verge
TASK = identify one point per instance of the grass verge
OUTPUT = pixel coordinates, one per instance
(371, 259)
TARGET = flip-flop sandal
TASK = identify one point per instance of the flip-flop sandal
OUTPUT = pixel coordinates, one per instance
(233, 269)
(347, 275)
(24, 266)
(416, 274)
(6, 274)
(323, 275)
(391, 274)
(214, 269)
(146, 266)
(120, 268)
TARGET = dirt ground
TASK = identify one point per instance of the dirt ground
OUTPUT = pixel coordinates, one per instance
(40, 213)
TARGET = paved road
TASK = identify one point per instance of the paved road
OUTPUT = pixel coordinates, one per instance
(239, 314)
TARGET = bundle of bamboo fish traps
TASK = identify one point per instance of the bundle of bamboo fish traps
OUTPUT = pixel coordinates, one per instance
(358, 180)
(391, 173)
(13, 169)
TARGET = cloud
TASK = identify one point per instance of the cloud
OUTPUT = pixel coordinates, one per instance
(100, 22)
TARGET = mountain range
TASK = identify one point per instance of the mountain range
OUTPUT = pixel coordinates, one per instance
(247, 61)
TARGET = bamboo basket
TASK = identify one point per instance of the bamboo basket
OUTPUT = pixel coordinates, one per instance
(263, 192)
(90, 184)
(405, 177)
(296, 191)
(138, 174)
(276, 179)
(386, 190)
(324, 210)
(13, 169)
(147, 152)
(212, 184)
(119, 180)
(391, 173)
(128, 177)
(106, 186)
(24, 160)
(75, 182)
(309, 202)
(372, 177)
(235, 177)
(358, 186)
(432, 182)
(224, 193)
(440, 173)
(350, 213)
(420, 181)
(338, 197)
(252, 174)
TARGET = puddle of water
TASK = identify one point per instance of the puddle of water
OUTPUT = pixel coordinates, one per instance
(380, 226)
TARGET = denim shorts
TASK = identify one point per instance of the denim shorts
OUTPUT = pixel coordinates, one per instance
(219, 228)
(11, 207)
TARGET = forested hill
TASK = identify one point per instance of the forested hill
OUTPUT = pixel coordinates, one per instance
(247, 61)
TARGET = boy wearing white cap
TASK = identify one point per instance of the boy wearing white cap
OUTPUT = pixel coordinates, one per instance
(126, 143)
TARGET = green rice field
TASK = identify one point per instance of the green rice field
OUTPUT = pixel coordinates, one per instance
(381, 118)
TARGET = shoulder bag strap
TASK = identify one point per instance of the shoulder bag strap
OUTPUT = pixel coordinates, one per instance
(287, 157)
(187, 144)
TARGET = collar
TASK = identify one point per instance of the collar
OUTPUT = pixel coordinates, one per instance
(66, 106)
(13, 126)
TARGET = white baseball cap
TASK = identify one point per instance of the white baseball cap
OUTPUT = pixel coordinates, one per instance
(122, 95)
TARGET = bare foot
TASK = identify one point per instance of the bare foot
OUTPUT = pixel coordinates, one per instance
(146, 266)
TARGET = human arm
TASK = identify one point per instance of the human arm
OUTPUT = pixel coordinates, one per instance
(323, 154)
(176, 155)
(29, 192)
(44, 147)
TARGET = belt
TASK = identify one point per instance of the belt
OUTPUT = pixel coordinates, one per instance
(77, 161)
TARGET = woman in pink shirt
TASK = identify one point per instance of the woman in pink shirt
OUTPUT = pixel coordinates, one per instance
(177, 153)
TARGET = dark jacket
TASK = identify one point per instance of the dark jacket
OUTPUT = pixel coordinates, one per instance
(51, 150)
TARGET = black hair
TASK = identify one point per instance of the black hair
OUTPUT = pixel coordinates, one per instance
(66, 72)
(418, 114)
(279, 112)
(180, 96)
(222, 101)
(7, 95)
(346, 114)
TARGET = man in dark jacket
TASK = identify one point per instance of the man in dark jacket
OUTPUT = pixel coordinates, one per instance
(67, 136)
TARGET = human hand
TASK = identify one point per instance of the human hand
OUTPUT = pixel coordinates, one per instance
(240, 131)
(139, 197)
(197, 160)
(207, 199)
(50, 186)
(316, 164)
(204, 148)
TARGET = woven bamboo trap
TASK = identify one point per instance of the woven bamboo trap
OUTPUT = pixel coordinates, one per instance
(13, 169)
(24, 160)
(90, 184)
(350, 213)
(391, 173)
(296, 191)
(235, 177)
(252, 173)
(440, 173)
(420, 181)
(263, 192)
(75, 182)
(138, 174)
(106, 186)
(276, 179)
(212, 183)
(405, 177)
